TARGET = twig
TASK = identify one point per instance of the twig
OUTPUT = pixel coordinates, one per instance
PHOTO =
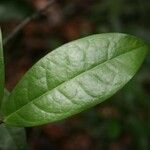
(26, 21)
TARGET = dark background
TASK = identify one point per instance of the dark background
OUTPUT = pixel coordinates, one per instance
(120, 123)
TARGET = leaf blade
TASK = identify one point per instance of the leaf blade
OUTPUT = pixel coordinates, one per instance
(69, 79)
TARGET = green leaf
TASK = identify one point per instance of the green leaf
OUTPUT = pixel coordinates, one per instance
(5, 97)
(74, 77)
(1, 70)
(12, 138)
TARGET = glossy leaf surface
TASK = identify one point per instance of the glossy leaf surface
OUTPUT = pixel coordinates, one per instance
(74, 77)
(1, 70)
(12, 138)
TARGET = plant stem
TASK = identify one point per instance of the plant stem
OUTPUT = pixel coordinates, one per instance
(26, 21)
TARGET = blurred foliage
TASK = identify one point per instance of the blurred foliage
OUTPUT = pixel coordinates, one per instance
(16, 9)
(121, 123)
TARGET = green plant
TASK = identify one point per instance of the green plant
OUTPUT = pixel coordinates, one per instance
(72, 78)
